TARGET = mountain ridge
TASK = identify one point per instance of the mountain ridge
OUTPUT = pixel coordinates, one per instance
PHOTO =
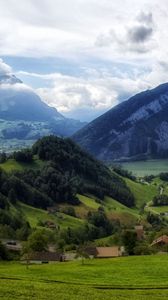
(24, 117)
(134, 129)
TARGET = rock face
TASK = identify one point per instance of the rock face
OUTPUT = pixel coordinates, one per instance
(134, 129)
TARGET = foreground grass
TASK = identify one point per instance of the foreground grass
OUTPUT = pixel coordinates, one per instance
(122, 278)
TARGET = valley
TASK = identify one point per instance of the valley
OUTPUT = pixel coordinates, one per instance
(146, 167)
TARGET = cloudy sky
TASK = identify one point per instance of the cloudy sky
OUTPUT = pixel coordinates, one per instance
(85, 56)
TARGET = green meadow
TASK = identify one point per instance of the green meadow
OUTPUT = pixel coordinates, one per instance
(36, 215)
(12, 165)
(148, 167)
(136, 278)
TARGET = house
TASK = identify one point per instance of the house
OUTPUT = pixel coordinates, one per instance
(105, 252)
(42, 257)
(69, 256)
(50, 224)
(160, 241)
(12, 245)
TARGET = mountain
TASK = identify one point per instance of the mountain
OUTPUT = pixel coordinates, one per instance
(135, 129)
(24, 117)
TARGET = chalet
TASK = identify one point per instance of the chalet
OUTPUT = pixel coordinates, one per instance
(160, 241)
(43, 257)
(105, 252)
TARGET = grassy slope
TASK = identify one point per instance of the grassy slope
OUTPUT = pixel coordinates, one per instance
(89, 202)
(12, 164)
(143, 193)
(135, 278)
(34, 215)
(113, 208)
(116, 210)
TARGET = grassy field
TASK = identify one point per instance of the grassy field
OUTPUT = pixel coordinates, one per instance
(12, 164)
(149, 167)
(143, 193)
(113, 208)
(160, 209)
(135, 278)
(89, 202)
(34, 215)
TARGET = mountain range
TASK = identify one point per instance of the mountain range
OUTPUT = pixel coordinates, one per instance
(24, 117)
(133, 130)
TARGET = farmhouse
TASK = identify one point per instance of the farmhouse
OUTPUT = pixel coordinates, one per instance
(105, 252)
(42, 257)
(160, 241)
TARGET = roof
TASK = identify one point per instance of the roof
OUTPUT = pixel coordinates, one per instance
(160, 240)
(42, 256)
(108, 251)
(139, 227)
(104, 251)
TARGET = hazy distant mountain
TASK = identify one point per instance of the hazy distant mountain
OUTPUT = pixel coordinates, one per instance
(134, 129)
(25, 117)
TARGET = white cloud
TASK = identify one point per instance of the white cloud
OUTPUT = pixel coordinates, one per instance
(4, 68)
(94, 92)
(89, 95)
(68, 28)
(130, 33)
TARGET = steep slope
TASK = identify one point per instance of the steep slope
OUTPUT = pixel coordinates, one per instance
(134, 129)
(18, 102)
(62, 171)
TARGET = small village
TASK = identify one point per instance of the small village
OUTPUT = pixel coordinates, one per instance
(159, 245)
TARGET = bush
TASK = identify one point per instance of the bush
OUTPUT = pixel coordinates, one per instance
(142, 248)
(129, 239)
(160, 200)
(69, 211)
(23, 156)
(3, 252)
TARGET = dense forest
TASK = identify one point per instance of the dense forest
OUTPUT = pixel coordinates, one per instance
(66, 171)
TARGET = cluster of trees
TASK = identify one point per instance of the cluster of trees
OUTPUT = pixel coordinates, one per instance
(4, 255)
(68, 170)
(133, 246)
(3, 157)
(160, 200)
(24, 156)
(155, 220)
(89, 175)
(48, 186)
(164, 176)
(99, 219)
(121, 171)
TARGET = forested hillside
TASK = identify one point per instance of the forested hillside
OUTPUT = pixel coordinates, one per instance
(63, 172)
